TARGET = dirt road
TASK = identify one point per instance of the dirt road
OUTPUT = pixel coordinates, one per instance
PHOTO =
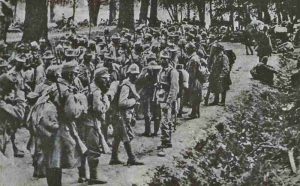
(186, 135)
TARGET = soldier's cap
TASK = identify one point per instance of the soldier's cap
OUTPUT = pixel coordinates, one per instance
(190, 46)
(138, 44)
(151, 56)
(42, 40)
(124, 41)
(154, 66)
(102, 43)
(7, 80)
(128, 36)
(70, 53)
(21, 58)
(53, 70)
(70, 67)
(165, 55)
(2, 44)
(3, 63)
(133, 69)
(48, 55)
(102, 72)
(115, 37)
(172, 48)
(219, 46)
(148, 36)
(211, 36)
(34, 45)
(182, 42)
(189, 34)
(203, 34)
(32, 95)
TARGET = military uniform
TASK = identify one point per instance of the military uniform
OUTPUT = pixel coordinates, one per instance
(166, 96)
(126, 101)
(12, 111)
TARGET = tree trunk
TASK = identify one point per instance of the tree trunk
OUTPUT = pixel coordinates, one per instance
(144, 10)
(298, 8)
(52, 14)
(201, 11)
(210, 11)
(126, 14)
(112, 11)
(35, 24)
(153, 14)
(267, 17)
(231, 17)
(74, 9)
(188, 11)
(94, 6)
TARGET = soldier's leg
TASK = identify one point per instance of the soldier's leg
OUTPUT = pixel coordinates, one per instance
(6, 146)
(131, 158)
(82, 170)
(93, 165)
(114, 152)
(165, 127)
(54, 176)
(157, 118)
(147, 117)
(223, 99)
(17, 153)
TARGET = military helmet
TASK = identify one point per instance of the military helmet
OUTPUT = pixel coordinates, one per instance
(133, 69)
(70, 67)
(48, 55)
(165, 55)
(102, 72)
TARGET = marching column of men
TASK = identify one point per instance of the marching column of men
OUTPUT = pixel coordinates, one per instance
(69, 94)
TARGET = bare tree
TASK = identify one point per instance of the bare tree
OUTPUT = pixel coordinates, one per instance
(126, 14)
(144, 10)
(153, 14)
(35, 24)
(112, 11)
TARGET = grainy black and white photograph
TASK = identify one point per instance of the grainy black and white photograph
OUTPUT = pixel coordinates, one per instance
(149, 92)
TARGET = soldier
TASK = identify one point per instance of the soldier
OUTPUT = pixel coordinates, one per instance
(148, 78)
(126, 100)
(90, 125)
(65, 148)
(12, 110)
(264, 47)
(197, 78)
(166, 95)
(86, 69)
(218, 79)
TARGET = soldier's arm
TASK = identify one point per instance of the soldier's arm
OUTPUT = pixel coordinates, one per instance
(225, 68)
(124, 101)
(16, 110)
(174, 86)
(113, 88)
(100, 102)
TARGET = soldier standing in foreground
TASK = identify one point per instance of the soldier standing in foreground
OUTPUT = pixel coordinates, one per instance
(126, 100)
(166, 95)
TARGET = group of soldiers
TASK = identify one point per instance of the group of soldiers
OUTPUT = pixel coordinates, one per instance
(68, 93)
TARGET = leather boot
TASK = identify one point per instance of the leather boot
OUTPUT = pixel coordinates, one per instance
(216, 100)
(82, 171)
(54, 177)
(147, 132)
(93, 164)
(131, 157)
(114, 154)
(223, 99)
(156, 126)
